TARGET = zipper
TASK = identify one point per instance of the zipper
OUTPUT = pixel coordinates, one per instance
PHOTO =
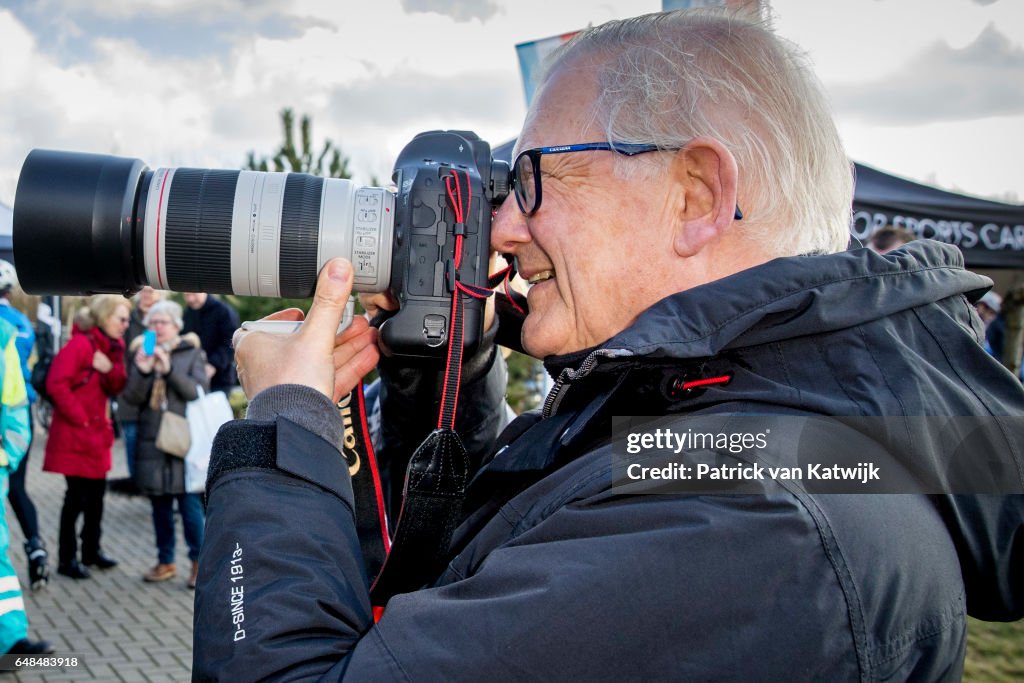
(557, 393)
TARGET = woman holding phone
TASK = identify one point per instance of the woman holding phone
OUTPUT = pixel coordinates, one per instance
(166, 372)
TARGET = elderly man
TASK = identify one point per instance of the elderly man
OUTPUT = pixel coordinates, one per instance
(681, 202)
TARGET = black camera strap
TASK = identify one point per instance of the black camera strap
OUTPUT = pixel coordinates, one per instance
(435, 488)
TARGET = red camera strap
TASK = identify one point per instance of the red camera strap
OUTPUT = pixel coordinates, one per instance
(461, 207)
(438, 472)
(370, 512)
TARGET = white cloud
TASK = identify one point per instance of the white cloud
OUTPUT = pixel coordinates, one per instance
(943, 84)
(856, 41)
(372, 76)
(196, 10)
(459, 10)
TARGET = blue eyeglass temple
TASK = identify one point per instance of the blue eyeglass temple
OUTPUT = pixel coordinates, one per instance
(627, 148)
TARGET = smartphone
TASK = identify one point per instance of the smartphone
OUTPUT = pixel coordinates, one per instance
(148, 342)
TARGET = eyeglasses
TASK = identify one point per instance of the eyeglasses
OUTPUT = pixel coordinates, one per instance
(526, 175)
(157, 322)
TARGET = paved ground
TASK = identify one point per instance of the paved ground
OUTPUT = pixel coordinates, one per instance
(122, 628)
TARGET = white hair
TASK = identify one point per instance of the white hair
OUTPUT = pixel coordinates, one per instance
(667, 78)
(166, 307)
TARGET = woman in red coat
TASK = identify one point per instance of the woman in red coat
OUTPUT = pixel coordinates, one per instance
(84, 375)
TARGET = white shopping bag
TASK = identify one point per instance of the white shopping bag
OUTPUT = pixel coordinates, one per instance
(205, 415)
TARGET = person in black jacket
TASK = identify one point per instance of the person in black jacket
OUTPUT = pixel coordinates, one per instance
(701, 275)
(214, 322)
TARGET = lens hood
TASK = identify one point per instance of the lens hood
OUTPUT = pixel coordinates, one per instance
(58, 193)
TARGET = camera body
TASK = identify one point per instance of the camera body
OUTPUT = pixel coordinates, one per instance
(424, 242)
(86, 224)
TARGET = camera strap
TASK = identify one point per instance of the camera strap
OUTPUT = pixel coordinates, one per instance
(461, 208)
(438, 472)
(370, 512)
(435, 488)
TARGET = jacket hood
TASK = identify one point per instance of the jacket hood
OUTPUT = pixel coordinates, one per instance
(799, 295)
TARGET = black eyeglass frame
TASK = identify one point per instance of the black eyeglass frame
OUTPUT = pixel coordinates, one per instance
(533, 155)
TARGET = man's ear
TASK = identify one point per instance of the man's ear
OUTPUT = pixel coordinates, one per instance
(706, 174)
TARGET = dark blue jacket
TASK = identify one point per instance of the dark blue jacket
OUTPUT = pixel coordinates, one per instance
(215, 322)
(555, 575)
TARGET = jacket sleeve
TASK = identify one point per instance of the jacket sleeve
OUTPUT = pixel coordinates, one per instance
(184, 378)
(14, 416)
(138, 387)
(282, 594)
(68, 365)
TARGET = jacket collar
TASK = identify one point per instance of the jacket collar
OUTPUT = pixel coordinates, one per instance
(790, 297)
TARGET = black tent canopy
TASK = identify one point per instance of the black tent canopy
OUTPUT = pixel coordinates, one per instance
(990, 234)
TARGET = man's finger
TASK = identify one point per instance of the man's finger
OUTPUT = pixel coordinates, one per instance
(343, 353)
(349, 375)
(240, 335)
(359, 325)
(287, 314)
(381, 300)
(332, 291)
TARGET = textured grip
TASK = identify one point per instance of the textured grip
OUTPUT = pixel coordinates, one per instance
(300, 234)
(198, 237)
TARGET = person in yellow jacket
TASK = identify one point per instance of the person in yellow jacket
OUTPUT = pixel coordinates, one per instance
(14, 441)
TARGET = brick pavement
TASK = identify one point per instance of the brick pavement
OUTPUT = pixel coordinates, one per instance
(122, 628)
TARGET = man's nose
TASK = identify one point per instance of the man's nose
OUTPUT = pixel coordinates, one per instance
(509, 228)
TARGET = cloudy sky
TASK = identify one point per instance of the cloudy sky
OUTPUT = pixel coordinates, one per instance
(932, 90)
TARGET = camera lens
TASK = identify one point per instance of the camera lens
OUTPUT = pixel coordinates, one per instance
(87, 223)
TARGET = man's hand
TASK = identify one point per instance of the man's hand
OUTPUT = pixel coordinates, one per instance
(375, 304)
(315, 356)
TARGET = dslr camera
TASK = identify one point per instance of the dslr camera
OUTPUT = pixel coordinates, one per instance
(87, 223)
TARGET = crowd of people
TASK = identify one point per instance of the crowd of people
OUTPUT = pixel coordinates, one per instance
(125, 364)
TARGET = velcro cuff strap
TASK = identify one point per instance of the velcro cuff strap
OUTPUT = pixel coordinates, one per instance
(279, 446)
(242, 444)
